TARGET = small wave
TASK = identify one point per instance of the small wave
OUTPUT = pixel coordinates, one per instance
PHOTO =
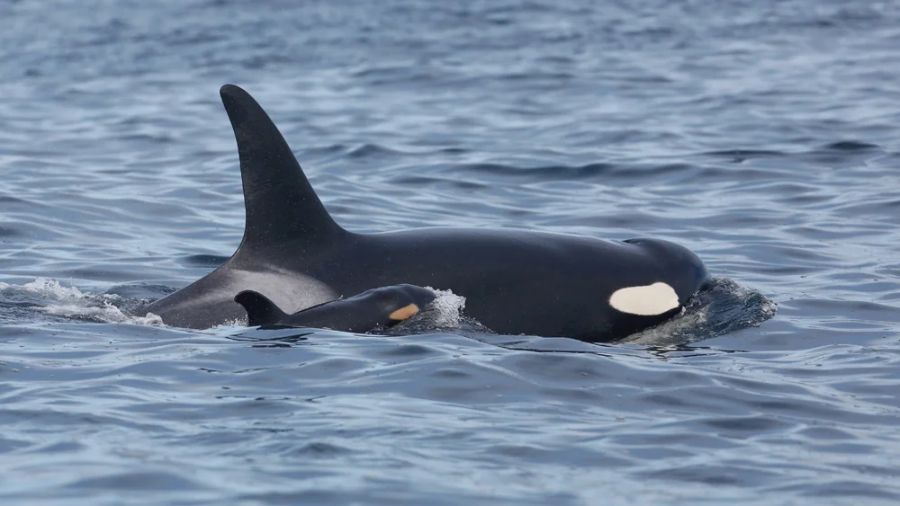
(448, 307)
(445, 313)
(741, 155)
(545, 172)
(720, 307)
(851, 146)
(371, 150)
(50, 297)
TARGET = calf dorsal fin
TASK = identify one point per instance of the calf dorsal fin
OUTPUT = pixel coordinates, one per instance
(260, 310)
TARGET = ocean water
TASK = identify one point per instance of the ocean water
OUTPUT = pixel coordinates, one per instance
(762, 135)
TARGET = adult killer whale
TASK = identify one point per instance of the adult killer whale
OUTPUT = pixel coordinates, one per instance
(514, 282)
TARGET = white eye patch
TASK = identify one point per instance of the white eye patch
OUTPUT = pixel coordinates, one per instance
(647, 300)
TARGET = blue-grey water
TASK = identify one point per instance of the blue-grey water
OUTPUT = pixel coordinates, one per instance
(762, 135)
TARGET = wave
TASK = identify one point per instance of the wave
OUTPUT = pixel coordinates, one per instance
(50, 297)
(720, 307)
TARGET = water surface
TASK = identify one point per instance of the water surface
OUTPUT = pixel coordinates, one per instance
(763, 136)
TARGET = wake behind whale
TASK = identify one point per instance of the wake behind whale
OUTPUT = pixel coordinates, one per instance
(515, 282)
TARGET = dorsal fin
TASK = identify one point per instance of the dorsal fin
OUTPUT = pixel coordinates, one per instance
(279, 201)
(260, 310)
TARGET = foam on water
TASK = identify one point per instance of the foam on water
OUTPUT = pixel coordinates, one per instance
(51, 297)
(721, 306)
(449, 308)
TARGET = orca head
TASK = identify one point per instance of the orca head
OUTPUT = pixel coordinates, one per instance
(399, 302)
(676, 272)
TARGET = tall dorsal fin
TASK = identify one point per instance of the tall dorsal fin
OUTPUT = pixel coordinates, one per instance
(260, 310)
(279, 201)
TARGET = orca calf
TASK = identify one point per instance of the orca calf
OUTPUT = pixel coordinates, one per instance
(514, 282)
(375, 309)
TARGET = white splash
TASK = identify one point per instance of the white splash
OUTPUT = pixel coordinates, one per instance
(46, 288)
(68, 301)
(226, 327)
(448, 307)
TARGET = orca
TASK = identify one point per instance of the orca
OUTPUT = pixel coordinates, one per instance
(513, 281)
(376, 309)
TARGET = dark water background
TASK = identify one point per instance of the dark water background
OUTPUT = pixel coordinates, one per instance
(762, 135)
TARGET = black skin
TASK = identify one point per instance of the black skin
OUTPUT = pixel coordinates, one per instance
(375, 309)
(514, 282)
